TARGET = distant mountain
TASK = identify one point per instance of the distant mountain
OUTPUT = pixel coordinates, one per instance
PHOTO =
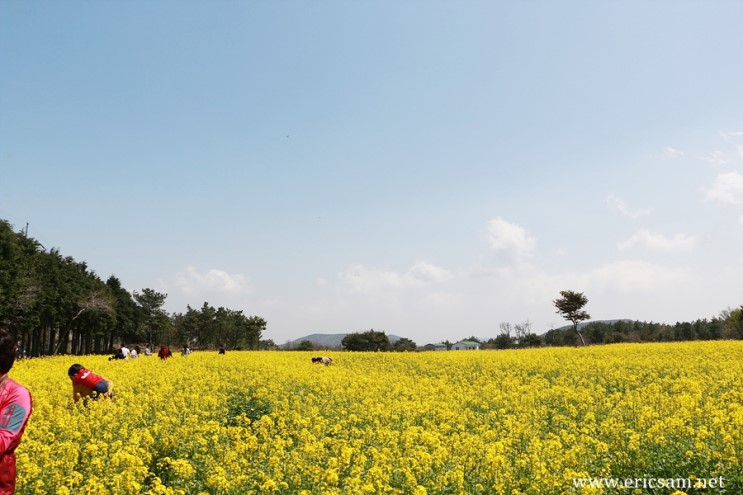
(329, 340)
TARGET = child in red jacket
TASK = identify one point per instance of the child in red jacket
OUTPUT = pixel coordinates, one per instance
(15, 409)
(85, 383)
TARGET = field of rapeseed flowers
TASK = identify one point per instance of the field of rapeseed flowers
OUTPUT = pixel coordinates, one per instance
(460, 422)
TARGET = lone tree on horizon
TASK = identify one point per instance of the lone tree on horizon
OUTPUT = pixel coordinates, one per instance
(570, 306)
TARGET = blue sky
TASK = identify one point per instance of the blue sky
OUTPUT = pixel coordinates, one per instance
(429, 169)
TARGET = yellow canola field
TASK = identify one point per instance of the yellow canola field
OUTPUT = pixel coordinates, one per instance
(458, 422)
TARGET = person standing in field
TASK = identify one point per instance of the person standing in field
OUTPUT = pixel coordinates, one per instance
(15, 409)
(164, 352)
(85, 383)
(19, 352)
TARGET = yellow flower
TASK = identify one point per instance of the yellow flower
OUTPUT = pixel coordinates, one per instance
(501, 422)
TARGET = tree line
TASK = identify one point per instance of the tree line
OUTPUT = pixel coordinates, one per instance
(727, 325)
(724, 326)
(57, 305)
(570, 305)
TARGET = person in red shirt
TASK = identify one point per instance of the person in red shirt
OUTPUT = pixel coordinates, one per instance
(85, 383)
(164, 352)
(15, 409)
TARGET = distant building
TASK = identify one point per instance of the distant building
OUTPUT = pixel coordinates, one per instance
(434, 347)
(466, 345)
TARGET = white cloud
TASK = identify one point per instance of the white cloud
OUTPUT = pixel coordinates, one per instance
(427, 272)
(440, 299)
(716, 158)
(731, 134)
(191, 282)
(628, 276)
(510, 239)
(728, 189)
(620, 206)
(359, 278)
(644, 239)
(671, 153)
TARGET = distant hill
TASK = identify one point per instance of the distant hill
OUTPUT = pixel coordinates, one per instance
(329, 340)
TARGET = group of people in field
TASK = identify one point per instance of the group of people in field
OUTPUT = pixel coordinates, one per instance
(124, 352)
(86, 384)
(16, 404)
(15, 399)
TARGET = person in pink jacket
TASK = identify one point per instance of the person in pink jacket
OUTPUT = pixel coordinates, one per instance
(15, 409)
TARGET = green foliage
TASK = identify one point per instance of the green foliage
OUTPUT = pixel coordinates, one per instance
(404, 345)
(55, 304)
(126, 313)
(732, 323)
(51, 302)
(242, 405)
(153, 320)
(610, 332)
(211, 326)
(503, 341)
(305, 345)
(370, 340)
(531, 340)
